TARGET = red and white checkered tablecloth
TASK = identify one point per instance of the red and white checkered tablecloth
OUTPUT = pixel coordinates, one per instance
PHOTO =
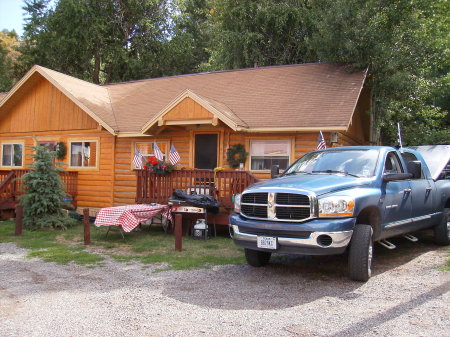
(130, 216)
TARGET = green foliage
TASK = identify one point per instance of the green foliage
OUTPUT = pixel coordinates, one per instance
(111, 41)
(8, 56)
(43, 200)
(236, 155)
(149, 246)
(264, 32)
(44, 244)
(403, 44)
(61, 150)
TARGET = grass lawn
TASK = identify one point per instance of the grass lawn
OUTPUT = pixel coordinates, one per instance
(149, 246)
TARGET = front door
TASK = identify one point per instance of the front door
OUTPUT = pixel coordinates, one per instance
(206, 151)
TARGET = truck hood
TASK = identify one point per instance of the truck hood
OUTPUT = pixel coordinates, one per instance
(317, 183)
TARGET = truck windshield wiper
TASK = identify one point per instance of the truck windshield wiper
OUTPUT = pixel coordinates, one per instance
(296, 172)
(333, 171)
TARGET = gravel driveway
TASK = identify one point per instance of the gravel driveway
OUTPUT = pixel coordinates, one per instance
(293, 296)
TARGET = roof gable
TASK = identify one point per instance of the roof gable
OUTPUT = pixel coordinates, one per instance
(208, 112)
(92, 99)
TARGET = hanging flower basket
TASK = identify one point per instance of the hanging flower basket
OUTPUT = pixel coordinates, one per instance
(156, 166)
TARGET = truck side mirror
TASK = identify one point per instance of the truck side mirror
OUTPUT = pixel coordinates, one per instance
(274, 171)
(396, 176)
(415, 168)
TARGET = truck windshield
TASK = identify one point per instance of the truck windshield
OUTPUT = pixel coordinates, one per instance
(361, 163)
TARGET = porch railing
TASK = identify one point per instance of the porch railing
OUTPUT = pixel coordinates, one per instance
(152, 187)
(12, 188)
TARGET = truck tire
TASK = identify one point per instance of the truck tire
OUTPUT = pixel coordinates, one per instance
(361, 253)
(442, 231)
(257, 258)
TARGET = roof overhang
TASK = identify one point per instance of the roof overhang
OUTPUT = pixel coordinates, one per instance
(41, 71)
(223, 113)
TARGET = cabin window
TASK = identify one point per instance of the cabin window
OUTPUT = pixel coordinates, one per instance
(12, 155)
(266, 153)
(147, 149)
(83, 154)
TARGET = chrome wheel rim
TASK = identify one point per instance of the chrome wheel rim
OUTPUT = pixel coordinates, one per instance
(448, 228)
(370, 255)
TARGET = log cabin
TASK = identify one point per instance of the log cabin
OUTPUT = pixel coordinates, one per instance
(275, 112)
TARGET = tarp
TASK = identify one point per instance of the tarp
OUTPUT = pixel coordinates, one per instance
(198, 200)
(437, 157)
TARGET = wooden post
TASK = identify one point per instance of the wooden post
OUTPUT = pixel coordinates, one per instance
(178, 232)
(87, 228)
(19, 220)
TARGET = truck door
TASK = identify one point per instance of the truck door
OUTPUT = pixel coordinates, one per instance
(422, 194)
(395, 198)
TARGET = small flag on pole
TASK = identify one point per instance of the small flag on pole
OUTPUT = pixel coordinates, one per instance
(174, 156)
(157, 152)
(321, 142)
(137, 159)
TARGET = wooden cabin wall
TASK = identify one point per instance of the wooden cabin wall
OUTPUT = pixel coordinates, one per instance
(44, 113)
(124, 175)
(45, 108)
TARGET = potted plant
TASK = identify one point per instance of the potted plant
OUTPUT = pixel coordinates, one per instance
(158, 166)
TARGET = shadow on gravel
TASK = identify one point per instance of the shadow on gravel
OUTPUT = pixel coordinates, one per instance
(289, 280)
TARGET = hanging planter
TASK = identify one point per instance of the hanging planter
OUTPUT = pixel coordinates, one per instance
(61, 150)
(236, 155)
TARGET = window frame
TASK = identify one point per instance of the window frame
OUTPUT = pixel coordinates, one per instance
(21, 143)
(250, 156)
(147, 155)
(69, 156)
(396, 159)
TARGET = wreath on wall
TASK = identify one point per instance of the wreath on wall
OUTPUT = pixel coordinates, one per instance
(236, 154)
(61, 150)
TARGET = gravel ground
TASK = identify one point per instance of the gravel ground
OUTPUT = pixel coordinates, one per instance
(294, 296)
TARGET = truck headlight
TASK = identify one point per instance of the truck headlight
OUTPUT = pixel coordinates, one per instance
(336, 206)
(237, 203)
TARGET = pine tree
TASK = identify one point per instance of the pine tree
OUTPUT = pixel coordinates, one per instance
(43, 199)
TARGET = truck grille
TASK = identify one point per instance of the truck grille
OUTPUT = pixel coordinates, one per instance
(276, 206)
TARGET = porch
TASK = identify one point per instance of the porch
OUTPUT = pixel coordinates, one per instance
(222, 185)
(11, 188)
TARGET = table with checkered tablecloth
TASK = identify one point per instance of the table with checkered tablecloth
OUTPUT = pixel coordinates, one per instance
(130, 216)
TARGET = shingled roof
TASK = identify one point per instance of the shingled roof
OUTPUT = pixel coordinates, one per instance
(292, 97)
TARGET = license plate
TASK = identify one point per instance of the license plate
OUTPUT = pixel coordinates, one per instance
(267, 242)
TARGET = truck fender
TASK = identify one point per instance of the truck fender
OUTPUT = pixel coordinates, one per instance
(370, 216)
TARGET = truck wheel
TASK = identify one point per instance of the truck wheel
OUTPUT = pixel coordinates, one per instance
(442, 231)
(361, 253)
(257, 258)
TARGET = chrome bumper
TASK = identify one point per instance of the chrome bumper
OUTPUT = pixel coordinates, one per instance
(339, 239)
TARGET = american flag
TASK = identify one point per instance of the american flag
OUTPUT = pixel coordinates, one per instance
(157, 152)
(321, 142)
(137, 160)
(174, 156)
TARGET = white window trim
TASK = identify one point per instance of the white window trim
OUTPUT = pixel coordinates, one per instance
(23, 154)
(289, 154)
(97, 159)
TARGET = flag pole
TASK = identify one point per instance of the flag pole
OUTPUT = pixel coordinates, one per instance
(399, 131)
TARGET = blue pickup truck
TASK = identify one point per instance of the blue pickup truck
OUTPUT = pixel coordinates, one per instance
(342, 199)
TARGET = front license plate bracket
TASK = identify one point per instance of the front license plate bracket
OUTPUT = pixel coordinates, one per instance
(267, 242)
